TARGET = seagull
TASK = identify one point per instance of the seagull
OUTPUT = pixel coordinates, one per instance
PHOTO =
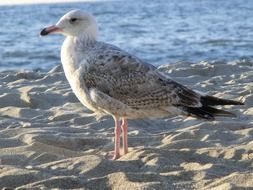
(110, 81)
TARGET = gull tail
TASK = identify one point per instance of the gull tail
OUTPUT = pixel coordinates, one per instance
(209, 112)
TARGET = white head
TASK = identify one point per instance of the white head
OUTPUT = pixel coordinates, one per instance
(75, 23)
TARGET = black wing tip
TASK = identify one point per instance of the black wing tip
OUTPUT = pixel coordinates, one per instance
(214, 101)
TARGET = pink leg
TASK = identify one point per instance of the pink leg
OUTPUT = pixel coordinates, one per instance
(116, 139)
(124, 126)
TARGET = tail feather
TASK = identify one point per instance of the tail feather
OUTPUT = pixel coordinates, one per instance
(219, 112)
(209, 112)
(198, 112)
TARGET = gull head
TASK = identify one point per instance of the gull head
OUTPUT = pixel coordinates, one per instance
(75, 23)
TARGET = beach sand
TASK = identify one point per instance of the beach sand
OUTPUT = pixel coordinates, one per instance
(48, 140)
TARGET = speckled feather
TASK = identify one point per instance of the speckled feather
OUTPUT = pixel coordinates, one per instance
(108, 80)
(134, 83)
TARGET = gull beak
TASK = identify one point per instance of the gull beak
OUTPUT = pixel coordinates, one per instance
(49, 30)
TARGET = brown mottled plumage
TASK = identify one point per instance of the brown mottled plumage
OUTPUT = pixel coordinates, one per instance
(110, 81)
(144, 91)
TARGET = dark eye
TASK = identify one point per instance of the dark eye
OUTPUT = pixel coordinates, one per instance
(72, 20)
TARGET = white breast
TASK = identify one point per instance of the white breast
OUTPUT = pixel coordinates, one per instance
(73, 66)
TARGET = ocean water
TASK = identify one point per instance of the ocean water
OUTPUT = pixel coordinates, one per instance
(161, 31)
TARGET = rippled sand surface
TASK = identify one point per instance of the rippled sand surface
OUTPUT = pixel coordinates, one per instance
(48, 139)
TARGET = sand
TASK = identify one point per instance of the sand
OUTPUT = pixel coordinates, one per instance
(48, 140)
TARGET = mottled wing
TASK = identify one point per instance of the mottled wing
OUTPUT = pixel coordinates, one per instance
(135, 83)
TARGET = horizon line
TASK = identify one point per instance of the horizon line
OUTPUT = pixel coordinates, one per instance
(30, 2)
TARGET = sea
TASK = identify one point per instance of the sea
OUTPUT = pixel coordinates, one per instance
(157, 31)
